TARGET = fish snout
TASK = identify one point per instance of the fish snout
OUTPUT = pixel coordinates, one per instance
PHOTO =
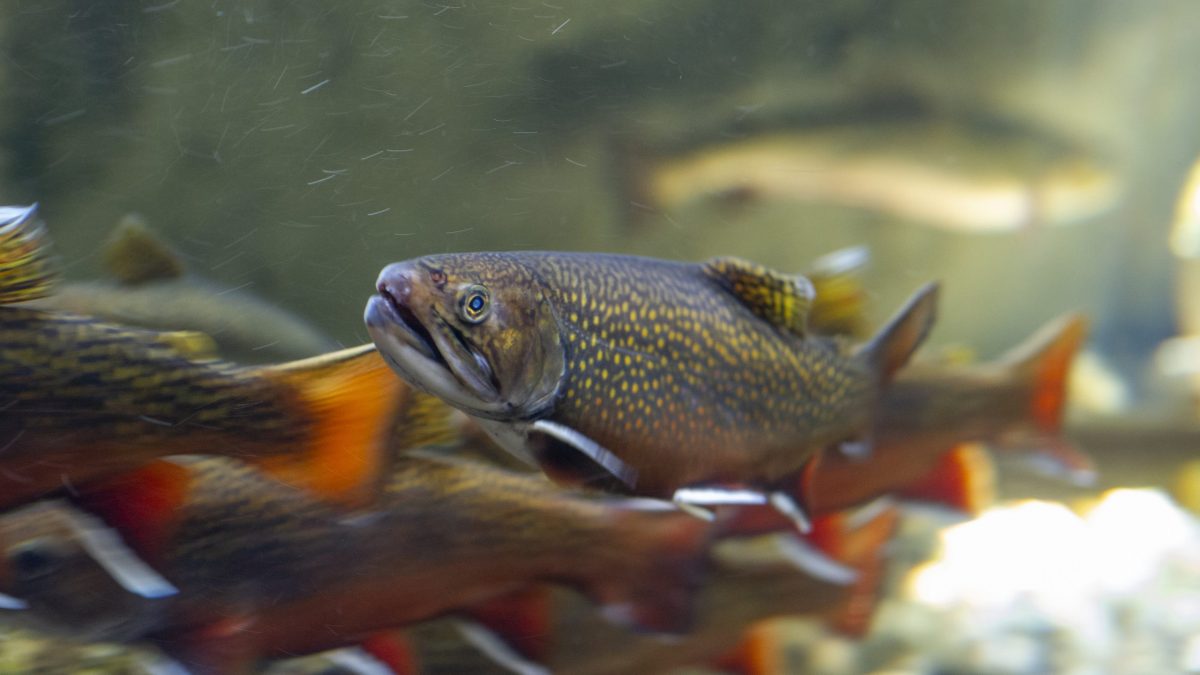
(395, 284)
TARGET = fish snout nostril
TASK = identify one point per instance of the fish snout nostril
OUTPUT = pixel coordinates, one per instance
(396, 288)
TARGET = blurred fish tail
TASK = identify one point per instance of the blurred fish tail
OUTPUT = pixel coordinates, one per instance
(27, 269)
(353, 398)
(1043, 365)
(963, 479)
(863, 546)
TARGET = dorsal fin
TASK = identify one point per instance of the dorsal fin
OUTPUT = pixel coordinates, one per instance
(779, 299)
(840, 306)
(27, 269)
(135, 254)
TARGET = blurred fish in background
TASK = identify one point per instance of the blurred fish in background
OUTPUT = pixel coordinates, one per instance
(151, 287)
(975, 173)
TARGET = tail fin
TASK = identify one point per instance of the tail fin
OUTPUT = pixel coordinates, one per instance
(964, 479)
(666, 560)
(27, 269)
(892, 346)
(354, 399)
(1044, 362)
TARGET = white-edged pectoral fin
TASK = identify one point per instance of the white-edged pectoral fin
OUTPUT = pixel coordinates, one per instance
(719, 496)
(9, 602)
(601, 456)
(784, 504)
(496, 649)
(813, 562)
(126, 568)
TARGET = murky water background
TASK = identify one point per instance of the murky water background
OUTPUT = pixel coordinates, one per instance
(290, 149)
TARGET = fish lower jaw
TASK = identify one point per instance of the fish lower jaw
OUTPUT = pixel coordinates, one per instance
(430, 375)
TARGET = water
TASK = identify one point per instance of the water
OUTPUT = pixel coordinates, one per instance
(293, 149)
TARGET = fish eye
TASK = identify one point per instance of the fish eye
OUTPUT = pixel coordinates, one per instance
(35, 559)
(475, 304)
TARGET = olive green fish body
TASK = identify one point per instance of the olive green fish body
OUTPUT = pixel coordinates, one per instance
(687, 373)
(78, 397)
(683, 382)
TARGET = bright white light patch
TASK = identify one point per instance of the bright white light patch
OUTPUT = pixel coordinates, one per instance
(1044, 553)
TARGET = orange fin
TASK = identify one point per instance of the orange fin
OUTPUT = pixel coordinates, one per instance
(963, 479)
(354, 399)
(758, 653)
(1044, 360)
(141, 505)
(520, 619)
(394, 651)
(862, 546)
(892, 346)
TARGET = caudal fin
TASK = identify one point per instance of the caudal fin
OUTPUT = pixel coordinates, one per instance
(1044, 362)
(892, 346)
(963, 479)
(354, 400)
(27, 271)
(662, 567)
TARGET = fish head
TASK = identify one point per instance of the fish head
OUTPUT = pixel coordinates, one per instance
(476, 329)
(57, 577)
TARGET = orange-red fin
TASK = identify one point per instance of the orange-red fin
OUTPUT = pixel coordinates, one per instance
(353, 399)
(759, 653)
(520, 619)
(393, 650)
(864, 547)
(1044, 360)
(142, 505)
(963, 479)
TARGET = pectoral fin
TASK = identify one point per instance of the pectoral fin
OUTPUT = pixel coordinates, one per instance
(586, 446)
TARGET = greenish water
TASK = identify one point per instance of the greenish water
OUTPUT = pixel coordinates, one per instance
(295, 147)
(291, 149)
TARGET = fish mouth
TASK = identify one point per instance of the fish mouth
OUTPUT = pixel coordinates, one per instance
(417, 335)
(439, 361)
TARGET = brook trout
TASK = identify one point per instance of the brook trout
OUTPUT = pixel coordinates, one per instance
(665, 374)
(262, 571)
(82, 399)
